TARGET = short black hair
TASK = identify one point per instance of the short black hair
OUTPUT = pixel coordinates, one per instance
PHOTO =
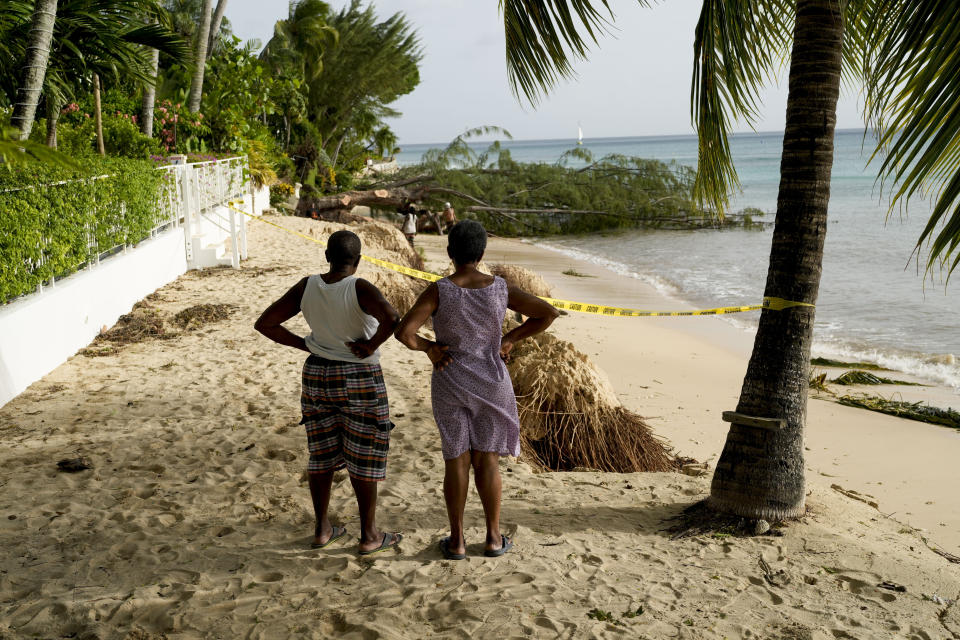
(343, 248)
(466, 242)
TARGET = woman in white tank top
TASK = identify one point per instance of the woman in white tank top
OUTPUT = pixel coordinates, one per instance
(344, 399)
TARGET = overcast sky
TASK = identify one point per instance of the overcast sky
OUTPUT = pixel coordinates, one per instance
(635, 83)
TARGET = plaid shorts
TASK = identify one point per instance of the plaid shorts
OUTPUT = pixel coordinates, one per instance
(347, 417)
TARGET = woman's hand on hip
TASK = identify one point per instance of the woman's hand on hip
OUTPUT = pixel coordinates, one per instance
(438, 355)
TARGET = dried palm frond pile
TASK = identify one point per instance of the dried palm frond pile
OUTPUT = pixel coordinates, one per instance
(522, 279)
(389, 238)
(198, 315)
(570, 417)
(401, 291)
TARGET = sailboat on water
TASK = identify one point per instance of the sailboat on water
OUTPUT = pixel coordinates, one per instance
(579, 134)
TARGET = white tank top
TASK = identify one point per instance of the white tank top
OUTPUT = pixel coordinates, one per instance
(335, 318)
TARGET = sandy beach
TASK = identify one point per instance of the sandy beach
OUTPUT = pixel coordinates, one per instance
(195, 519)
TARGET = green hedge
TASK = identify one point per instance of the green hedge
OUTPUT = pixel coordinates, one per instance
(50, 230)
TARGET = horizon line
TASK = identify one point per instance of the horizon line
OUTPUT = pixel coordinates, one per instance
(663, 135)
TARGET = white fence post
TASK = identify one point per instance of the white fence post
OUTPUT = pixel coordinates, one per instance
(185, 175)
(234, 240)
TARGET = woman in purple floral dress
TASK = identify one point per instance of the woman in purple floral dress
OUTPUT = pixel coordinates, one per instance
(473, 400)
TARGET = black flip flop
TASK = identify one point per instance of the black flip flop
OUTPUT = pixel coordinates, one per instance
(450, 555)
(338, 532)
(397, 537)
(505, 545)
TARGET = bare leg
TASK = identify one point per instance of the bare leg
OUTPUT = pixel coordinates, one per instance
(320, 484)
(486, 471)
(456, 480)
(370, 537)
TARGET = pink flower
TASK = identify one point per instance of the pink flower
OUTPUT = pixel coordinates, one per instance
(178, 105)
(87, 114)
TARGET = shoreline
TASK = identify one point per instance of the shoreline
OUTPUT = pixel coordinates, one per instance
(682, 373)
(935, 370)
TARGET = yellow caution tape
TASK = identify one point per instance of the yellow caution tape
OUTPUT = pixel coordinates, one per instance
(774, 304)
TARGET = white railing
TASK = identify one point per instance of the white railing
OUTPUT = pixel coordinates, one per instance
(196, 195)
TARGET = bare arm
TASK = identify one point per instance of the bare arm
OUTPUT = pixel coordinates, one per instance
(540, 315)
(270, 322)
(373, 303)
(406, 332)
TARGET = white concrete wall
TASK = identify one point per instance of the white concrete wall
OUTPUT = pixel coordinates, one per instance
(259, 202)
(41, 331)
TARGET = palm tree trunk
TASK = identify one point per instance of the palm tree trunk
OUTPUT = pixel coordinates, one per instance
(53, 116)
(336, 152)
(760, 473)
(150, 96)
(97, 114)
(215, 25)
(200, 57)
(35, 67)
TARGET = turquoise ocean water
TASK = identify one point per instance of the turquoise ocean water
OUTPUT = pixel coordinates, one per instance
(874, 302)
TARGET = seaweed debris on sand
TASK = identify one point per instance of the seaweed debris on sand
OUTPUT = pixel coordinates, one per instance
(142, 323)
(198, 315)
(919, 411)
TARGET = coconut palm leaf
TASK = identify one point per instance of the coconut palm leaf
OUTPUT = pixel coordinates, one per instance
(544, 39)
(913, 100)
(738, 47)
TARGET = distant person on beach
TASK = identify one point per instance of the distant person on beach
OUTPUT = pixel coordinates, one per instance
(473, 400)
(343, 398)
(409, 226)
(449, 217)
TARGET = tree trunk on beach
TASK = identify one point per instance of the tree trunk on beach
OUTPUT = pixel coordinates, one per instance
(200, 57)
(53, 116)
(34, 67)
(760, 473)
(150, 96)
(97, 114)
(215, 26)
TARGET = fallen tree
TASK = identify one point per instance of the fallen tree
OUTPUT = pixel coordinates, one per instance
(515, 198)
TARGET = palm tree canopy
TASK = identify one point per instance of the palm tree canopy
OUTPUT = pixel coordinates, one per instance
(107, 37)
(913, 100)
(299, 41)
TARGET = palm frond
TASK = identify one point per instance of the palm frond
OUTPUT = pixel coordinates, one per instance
(913, 101)
(14, 152)
(543, 38)
(738, 46)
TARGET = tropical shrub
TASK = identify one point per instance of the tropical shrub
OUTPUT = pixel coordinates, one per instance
(122, 137)
(179, 130)
(56, 219)
(280, 192)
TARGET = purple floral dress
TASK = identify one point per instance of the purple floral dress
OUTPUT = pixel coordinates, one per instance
(473, 400)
